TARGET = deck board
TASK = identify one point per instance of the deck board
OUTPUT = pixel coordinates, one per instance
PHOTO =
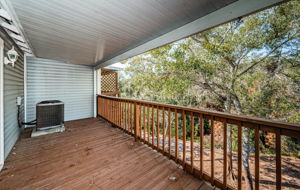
(90, 154)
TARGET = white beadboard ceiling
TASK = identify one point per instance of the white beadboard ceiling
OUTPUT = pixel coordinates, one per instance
(94, 32)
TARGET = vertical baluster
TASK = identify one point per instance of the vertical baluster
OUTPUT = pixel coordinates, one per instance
(225, 154)
(107, 109)
(140, 120)
(184, 137)
(104, 108)
(176, 134)
(136, 119)
(153, 126)
(157, 127)
(100, 105)
(256, 141)
(113, 112)
(119, 113)
(125, 116)
(212, 151)
(239, 157)
(128, 117)
(110, 111)
(192, 141)
(278, 159)
(148, 123)
(116, 112)
(170, 130)
(201, 144)
(163, 125)
(144, 122)
(131, 118)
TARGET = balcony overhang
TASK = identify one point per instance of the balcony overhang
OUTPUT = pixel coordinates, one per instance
(101, 33)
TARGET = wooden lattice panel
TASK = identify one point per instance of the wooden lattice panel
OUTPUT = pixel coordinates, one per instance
(109, 81)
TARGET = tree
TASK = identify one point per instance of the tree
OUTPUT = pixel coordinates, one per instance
(249, 67)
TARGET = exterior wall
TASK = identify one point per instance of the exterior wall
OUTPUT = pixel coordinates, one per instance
(53, 80)
(13, 79)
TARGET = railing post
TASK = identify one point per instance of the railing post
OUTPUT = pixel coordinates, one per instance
(136, 121)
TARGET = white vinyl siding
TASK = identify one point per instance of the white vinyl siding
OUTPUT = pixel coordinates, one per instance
(13, 79)
(54, 80)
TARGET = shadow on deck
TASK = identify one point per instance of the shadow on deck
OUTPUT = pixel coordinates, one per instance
(91, 154)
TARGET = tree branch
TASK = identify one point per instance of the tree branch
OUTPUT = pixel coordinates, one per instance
(257, 62)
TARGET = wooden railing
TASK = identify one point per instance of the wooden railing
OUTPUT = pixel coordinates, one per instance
(164, 128)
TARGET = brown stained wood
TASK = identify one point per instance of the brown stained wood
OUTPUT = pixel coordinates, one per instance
(212, 159)
(192, 141)
(120, 114)
(235, 118)
(225, 154)
(176, 135)
(170, 130)
(157, 128)
(148, 123)
(184, 137)
(136, 117)
(140, 120)
(239, 157)
(113, 111)
(132, 117)
(144, 121)
(93, 156)
(163, 125)
(109, 107)
(126, 116)
(256, 167)
(201, 144)
(129, 117)
(278, 160)
(153, 125)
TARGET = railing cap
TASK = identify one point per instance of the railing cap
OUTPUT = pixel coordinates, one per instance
(239, 118)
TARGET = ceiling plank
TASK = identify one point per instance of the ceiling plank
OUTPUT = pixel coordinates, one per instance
(223, 15)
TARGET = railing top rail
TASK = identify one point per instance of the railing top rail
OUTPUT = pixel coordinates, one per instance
(247, 119)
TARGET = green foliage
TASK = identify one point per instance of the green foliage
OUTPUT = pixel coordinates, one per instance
(252, 64)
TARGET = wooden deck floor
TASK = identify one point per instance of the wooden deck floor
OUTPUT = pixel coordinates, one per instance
(90, 155)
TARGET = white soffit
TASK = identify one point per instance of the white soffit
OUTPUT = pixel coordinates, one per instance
(223, 15)
(84, 32)
(100, 32)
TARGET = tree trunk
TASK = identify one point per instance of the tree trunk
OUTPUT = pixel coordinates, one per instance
(229, 141)
(245, 147)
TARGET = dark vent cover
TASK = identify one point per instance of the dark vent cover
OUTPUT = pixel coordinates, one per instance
(49, 113)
